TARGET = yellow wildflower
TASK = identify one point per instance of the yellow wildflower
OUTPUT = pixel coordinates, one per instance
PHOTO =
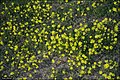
(106, 65)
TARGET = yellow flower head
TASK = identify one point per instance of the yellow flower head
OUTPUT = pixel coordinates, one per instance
(106, 65)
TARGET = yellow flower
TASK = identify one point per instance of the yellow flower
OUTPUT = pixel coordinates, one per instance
(82, 72)
(99, 40)
(52, 37)
(29, 68)
(71, 68)
(82, 67)
(93, 28)
(63, 19)
(53, 21)
(63, 72)
(100, 72)
(118, 9)
(75, 30)
(53, 25)
(89, 71)
(60, 30)
(63, 27)
(65, 78)
(21, 61)
(53, 61)
(24, 78)
(96, 29)
(106, 65)
(92, 41)
(18, 8)
(5, 75)
(47, 43)
(95, 45)
(116, 28)
(114, 9)
(115, 39)
(62, 55)
(12, 73)
(68, 60)
(115, 34)
(1, 68)
(90, 37)
(58, 26)
(69, 27)
(45, 56)
(104, 75)
(118, 77)
(32, 57)
(1, 43)
(57, 36)
(52, 75)
(63, 35)
(73, 47)
(97, 36)
(84, 61)
(80, 24)
(82, 29)
(60, 48)
(6, 52)
(90, 51)
(83, 37)
(115, 3)
(66, 0)
(111, 47)
(84, 33)
(109, 10)
(93, 66)
(71, 51)
(49, 47)
(37, 30)
(30, 75)
(70, 78)
(78, 2)
(15, 47)
(78, 63)
(88, 8)
(39, 51)
(93, 4)
(66, 45)
(106, 47)
(1, 62)
(84, 56)
(2, 12)
(26, 23)
(108, 77)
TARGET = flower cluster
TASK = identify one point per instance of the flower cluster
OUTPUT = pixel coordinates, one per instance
(53, 40)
